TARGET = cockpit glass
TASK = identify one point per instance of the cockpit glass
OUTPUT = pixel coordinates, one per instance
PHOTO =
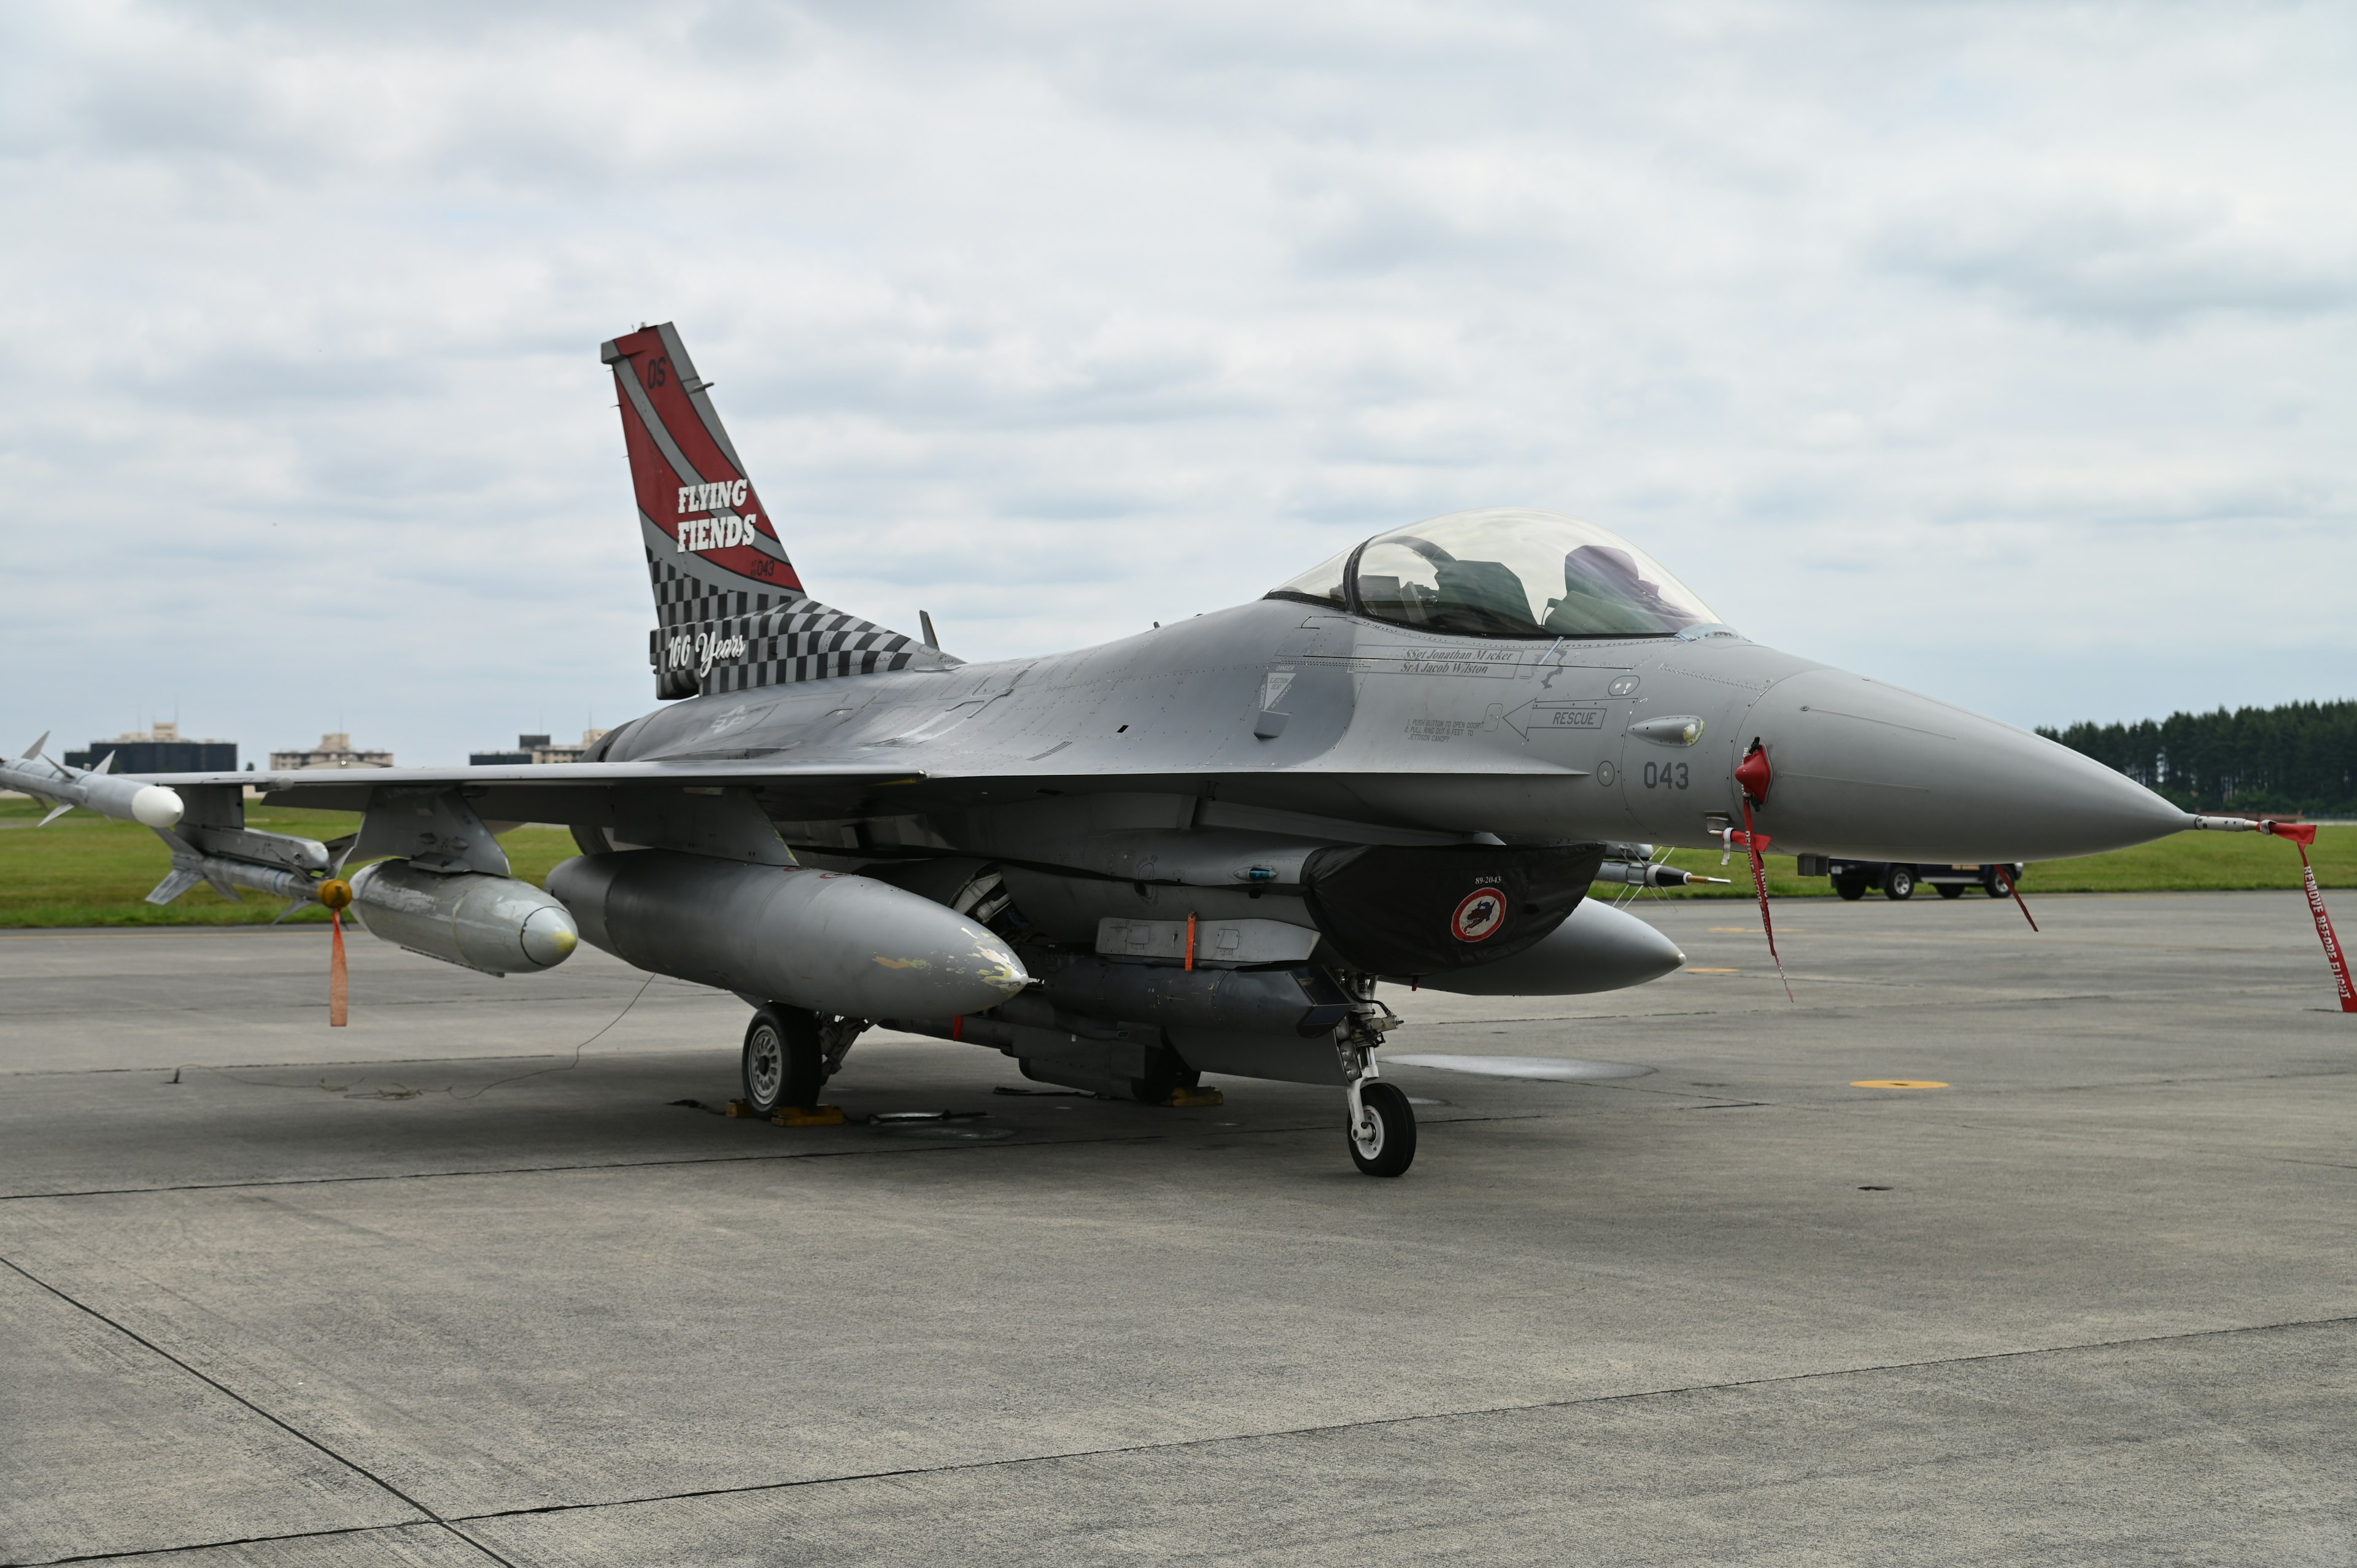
(1323, 581)
(1509, 573)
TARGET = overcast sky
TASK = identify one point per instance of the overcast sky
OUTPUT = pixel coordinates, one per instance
(2003, 352)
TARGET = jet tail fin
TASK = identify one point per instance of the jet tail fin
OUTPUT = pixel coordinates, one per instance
(731, 613)
(706, 532)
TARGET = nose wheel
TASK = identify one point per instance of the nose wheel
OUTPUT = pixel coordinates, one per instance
(1382, 1130)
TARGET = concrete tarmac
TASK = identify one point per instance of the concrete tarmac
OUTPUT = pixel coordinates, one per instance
(440, 1288)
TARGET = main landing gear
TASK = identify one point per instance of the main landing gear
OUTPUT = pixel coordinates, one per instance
(790, 1053)
(781, 1060)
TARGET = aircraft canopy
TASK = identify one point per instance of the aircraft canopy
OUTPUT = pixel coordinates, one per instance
(1506, 572)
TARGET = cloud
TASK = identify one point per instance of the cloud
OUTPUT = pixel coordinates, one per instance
(2096, 263)
(1873, 323)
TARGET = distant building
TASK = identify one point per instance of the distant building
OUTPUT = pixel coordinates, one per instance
(335, 750)
(159, 750)
(536, 749)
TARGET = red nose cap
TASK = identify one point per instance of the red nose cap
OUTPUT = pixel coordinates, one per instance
(1752, 774)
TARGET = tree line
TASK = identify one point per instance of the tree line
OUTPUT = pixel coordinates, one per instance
(2300, 757)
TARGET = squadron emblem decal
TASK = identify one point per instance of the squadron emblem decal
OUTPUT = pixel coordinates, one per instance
(1479, 915)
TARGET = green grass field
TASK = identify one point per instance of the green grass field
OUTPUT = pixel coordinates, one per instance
(2183, 863)
(87, 870)
(84, 870)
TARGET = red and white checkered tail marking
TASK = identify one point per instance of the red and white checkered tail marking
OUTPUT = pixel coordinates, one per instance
(701, 517)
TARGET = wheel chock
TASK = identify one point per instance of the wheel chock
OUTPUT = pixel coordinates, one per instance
(791, 1116)
(1182, 1097)
(808, 1116)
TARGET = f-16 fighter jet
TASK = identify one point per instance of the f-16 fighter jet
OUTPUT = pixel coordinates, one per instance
(1203, 849)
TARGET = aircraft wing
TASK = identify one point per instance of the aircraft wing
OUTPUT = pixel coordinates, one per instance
(585, 793)
(558, 793)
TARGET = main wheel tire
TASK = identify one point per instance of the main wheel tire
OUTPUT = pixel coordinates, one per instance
(1949, 889)
(1387, 1147)
(784, 1063)
(1849, 888)
(1899, 884)
(1166, 1075)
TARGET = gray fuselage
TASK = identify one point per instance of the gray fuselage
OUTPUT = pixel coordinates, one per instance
(1282, 706)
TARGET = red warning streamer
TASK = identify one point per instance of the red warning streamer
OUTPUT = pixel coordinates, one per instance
(2013, 887)
(339, 986)
(1753, 776)
(2302, 835)
(1753, 843)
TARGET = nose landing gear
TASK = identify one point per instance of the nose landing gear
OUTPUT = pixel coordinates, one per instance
(1381, 1128)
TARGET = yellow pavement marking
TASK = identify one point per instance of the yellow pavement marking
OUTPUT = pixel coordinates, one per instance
(1897, 1083)
(1696, 969)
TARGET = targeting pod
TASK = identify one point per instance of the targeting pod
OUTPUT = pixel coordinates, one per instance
(1598, 948)
(495, 924)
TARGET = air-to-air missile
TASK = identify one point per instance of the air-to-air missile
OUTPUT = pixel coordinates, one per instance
(96, 789)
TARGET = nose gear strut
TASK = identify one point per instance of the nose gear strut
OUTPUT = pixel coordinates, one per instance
(1381, 1125)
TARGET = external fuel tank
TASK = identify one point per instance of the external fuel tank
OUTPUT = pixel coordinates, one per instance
(828, 941)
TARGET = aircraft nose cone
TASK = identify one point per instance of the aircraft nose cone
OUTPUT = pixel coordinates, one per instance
(1879, 772)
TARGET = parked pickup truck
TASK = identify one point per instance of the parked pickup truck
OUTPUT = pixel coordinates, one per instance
(1898, 879)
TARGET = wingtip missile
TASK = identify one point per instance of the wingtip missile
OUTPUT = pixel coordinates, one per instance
(96, 789)
(154, 806)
